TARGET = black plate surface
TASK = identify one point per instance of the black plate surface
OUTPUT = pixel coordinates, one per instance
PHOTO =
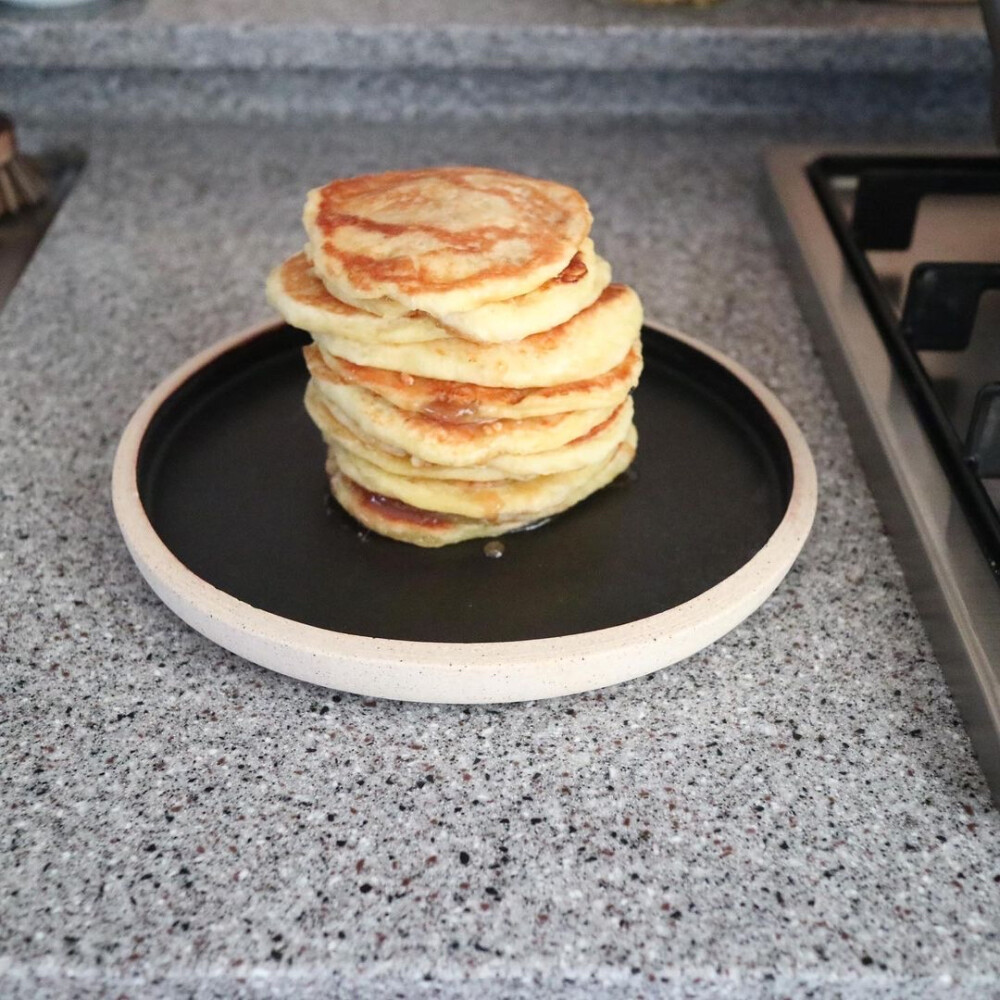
(231, 477)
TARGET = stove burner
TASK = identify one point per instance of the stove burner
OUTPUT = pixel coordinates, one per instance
(891, 189)
(942, 304)
(941, 307)
(982, 447)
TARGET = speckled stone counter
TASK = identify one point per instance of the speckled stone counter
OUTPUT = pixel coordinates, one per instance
(822, 59)
(794, 812)
(594, 34)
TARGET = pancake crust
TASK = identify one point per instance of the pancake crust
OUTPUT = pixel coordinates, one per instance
(431, 529)
(590, 344)
(441, 442)
(443, 240)
(588, 449)
(490, 501)
(303, 301)
(561, 297)
(461, 401)
(296, 291)
(397, 520)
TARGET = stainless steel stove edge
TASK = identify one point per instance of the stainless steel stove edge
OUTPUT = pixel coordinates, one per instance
(951, 583)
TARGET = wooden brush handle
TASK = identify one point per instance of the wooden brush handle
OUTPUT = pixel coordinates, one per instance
(8, 144)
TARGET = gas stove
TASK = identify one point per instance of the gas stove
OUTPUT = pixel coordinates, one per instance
(897, 264)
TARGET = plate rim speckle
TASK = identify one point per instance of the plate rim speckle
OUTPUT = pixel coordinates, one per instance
(449, 672)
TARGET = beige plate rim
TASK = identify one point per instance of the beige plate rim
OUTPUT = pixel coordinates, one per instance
(461, 673)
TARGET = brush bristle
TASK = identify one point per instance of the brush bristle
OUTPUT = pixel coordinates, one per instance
(21, 185)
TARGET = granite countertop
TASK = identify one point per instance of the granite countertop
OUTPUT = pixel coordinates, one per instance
(818, 60)
(793, 812)
(847, 35)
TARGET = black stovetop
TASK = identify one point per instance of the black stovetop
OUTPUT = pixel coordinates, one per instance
(922, 237)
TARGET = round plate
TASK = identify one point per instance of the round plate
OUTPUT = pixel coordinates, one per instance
(220, 493)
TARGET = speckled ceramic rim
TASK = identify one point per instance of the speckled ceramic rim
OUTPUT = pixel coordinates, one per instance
(461, 673)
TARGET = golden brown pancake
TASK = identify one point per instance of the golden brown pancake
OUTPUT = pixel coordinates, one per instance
(397, 519)
(590, 344)
(442, 442)
(303, 300)
(295, 290)
(560, 298)
(462, 401)
(443, 240)
(471, 364)
(490, 501)
(592, 447)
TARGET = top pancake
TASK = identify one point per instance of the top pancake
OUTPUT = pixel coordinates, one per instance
(298, 294)
(444, 240)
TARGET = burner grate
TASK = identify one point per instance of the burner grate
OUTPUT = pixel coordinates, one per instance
(890, 191)
(942, 304)
(873, 206)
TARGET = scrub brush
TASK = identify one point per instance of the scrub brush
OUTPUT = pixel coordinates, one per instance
(21, 184)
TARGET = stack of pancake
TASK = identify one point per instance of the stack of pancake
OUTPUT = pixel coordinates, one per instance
(472, 363)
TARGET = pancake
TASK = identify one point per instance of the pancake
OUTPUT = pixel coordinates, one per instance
(443, 240)
(397, 519)
(294, 289)
(559, 299)
(404, 523)
(575, 287)
(302, 299)
(441, 442)
(489, 501)
(555, 302)
(588, 449)
(461, 401)
(590, 344)
(472, 364)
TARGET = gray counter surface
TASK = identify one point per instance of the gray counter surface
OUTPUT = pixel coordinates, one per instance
(846, 35)
(793, 812)
(825, 60)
